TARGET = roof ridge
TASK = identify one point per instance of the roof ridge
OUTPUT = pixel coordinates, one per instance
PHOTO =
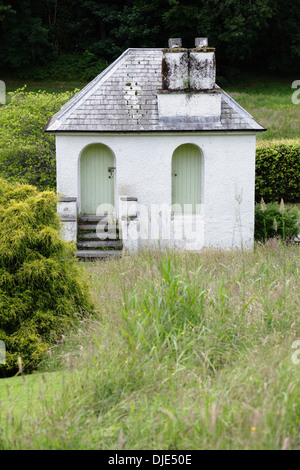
(239, 109)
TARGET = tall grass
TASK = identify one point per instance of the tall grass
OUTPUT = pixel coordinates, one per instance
(188, 351)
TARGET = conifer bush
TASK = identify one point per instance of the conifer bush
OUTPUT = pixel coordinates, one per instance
(42, 293)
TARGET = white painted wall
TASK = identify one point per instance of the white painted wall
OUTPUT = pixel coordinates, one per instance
(189, 104)
(144, 170)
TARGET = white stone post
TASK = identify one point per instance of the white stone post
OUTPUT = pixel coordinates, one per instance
(128, 208)
(67, 210)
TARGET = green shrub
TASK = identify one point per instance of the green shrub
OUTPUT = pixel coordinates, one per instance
(274, 220)
(41, 291)
(27, 153)
(278, 172)
(82, 67)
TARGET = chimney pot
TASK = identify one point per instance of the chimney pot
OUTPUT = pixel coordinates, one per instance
(175, 42)
(201, 42)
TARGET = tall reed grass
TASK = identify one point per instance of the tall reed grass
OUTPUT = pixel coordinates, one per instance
(187, 351)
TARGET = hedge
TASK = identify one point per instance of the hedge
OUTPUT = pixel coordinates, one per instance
(278, 171)
(27, 153)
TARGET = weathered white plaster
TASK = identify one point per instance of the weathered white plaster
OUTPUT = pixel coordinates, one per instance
(69, 230)
(144, 171)
(176, 70)
(189, 105)
(67, 210)
(130, 236)
(202, 71)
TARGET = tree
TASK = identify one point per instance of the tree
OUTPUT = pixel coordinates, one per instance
(258, 35)
(23, 35)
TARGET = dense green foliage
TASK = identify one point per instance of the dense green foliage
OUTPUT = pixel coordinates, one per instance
(27, 153)
(274, 220)
(278, 172)
(85, 67)
(41, 288)
(257, 34)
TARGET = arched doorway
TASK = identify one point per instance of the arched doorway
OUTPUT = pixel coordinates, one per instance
(186, 178)
(96, 178)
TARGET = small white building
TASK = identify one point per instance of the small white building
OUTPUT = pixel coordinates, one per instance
(153, 144)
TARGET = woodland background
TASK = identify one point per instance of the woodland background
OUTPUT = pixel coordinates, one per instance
(71, 39)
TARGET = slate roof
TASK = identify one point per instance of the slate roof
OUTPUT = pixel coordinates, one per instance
(123, 98)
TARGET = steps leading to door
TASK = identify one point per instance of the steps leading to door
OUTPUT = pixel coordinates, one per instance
(83, 245)
(98, 254)
(92, 245)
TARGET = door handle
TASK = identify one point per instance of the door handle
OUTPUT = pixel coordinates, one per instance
(111, 170)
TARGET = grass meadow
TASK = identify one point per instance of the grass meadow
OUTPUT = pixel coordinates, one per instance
(269, 101)
(187, 351)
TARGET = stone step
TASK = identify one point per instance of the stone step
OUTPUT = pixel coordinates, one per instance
(99, 244)
(94, 254)
(91, 226)
(91, 218)
(82, 236)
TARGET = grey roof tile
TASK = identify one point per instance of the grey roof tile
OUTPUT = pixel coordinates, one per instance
(124, 98)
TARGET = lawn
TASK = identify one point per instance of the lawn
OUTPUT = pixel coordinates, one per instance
(26, 394)
(49, 86)
(187, 351)
(269, 100)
